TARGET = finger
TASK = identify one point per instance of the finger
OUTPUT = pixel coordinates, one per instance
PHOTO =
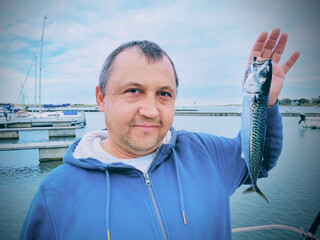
(290, 62)
(258, 46)
(271, 42)
(278, 50)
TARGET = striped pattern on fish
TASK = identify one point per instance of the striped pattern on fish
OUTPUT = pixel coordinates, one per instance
(256, 87)
(257, 136)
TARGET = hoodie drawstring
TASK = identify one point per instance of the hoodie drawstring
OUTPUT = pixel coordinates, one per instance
(108, 204)
(181, 196)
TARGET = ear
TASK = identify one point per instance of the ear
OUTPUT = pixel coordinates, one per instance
(100, 99)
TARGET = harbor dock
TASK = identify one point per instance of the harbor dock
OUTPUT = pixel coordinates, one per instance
(47, 150)
(13, 133)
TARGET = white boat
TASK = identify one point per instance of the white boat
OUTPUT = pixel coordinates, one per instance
(44, 119)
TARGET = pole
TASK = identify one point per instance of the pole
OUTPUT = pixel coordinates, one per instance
(313, 228)
(35, 83)
(40, 70)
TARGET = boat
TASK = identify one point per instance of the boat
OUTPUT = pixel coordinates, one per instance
(186, 109)
(18, 116)
(56, 105)
(44, 119)
(309, 122)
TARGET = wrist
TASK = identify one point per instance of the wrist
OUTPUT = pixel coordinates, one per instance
(271, 103)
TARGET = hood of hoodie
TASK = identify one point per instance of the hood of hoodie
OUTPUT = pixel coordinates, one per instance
(86, 152)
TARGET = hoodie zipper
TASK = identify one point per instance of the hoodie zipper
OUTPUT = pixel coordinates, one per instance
(148, 184)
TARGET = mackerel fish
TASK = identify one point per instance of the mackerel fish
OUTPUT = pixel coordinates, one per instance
(256, 86)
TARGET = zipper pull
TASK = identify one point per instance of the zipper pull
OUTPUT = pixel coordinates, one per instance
(148, 182)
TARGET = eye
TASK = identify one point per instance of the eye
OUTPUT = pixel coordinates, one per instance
(164, 94)
(263, 73)
(132, 91)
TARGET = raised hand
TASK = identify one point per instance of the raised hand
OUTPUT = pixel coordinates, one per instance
(270, 47)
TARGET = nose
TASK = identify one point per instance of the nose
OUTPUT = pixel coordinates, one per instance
(149, 108)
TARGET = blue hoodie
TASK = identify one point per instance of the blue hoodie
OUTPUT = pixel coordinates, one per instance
(184, 195)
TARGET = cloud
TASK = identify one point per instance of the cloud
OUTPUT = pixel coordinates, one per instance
(307, 79)
(10, 86)
(208, 41)
(17, 45)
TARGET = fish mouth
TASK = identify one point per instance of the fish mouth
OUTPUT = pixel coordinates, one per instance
(257, 61)
(256, 92)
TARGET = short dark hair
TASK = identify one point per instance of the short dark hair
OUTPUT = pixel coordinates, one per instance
(152, 51)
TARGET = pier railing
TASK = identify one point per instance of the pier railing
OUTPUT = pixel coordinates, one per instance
(306, 235)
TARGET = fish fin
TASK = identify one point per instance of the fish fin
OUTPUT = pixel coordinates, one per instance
(257, 190)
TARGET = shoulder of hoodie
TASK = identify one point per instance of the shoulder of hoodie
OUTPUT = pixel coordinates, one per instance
(57, 177)
(205, 139)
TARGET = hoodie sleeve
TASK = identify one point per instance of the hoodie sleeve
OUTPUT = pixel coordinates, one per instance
(38, 223)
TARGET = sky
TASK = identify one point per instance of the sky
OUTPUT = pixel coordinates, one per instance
(209, 42)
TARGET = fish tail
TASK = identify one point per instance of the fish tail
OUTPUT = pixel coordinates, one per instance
(257, 190)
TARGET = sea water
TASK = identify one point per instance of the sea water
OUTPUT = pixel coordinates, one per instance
(293, 186)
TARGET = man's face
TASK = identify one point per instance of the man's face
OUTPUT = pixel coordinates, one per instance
(138, 104)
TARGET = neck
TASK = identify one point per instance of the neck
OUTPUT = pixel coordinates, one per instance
(115, 150)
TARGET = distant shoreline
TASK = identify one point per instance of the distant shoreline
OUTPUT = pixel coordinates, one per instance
(180, 106)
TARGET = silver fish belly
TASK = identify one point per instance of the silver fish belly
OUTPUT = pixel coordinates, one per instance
(256, 87)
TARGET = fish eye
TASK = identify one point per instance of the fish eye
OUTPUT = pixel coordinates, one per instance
(263, 73)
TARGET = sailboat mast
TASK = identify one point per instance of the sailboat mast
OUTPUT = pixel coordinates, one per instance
(35, 83)
(40, 70)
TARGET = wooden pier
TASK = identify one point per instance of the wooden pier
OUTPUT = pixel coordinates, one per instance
(47, 150)
(13, 133)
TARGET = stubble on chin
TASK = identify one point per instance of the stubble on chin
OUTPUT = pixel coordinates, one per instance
(141, 147)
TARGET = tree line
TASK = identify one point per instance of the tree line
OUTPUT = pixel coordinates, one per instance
(301, 101)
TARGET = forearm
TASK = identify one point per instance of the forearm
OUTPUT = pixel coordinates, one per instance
(274, 140)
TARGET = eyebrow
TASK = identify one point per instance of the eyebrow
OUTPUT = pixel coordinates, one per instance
(131, 83)
(169, 89)
(136, 84)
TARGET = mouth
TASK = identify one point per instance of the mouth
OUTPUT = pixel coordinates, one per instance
(146, 127)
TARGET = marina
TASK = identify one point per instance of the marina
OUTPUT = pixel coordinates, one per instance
(57, 127)
(206, 111)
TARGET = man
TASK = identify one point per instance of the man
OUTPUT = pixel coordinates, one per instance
(140, 178)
